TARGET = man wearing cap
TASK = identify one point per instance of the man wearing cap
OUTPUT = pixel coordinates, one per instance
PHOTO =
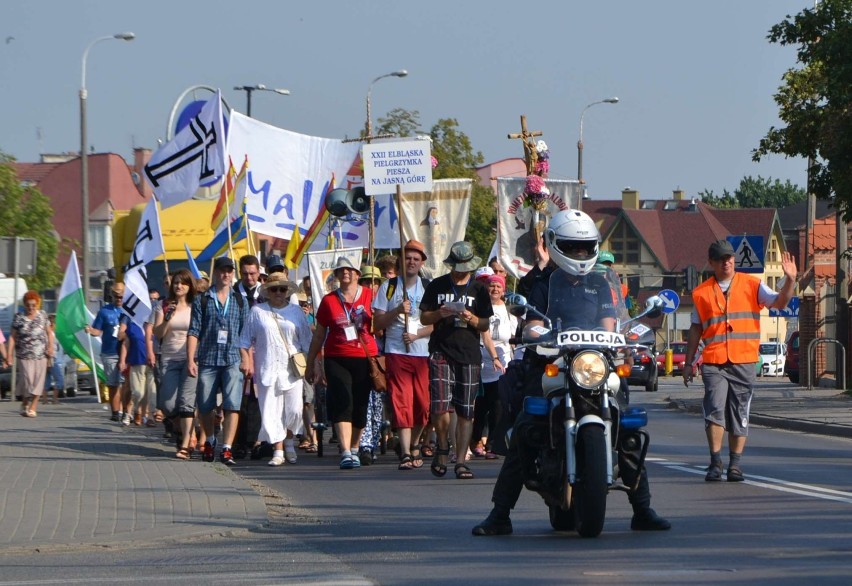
(406, 351)
(213, 355)
(106, 326)
(727, 318)
(459, 308)
(274, 264)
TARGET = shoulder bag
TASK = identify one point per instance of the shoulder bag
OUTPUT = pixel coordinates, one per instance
(297, 363)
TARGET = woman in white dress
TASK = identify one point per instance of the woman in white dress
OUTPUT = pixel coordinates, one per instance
(274, 331)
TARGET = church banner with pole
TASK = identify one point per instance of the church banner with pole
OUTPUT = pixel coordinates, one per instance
(321, 270)
(518, 221)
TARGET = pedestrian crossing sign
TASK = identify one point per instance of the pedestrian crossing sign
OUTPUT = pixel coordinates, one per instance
(748, 253)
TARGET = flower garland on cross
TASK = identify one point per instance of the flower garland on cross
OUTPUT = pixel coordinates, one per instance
(536, 155)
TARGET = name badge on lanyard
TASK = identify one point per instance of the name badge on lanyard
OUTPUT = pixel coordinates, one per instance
(222, 335)
(349, 332)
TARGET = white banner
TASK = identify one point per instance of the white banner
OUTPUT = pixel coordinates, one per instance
(405, 163)
(321, 270)
(289, 173)
(148, 246)
(195, 155)
(438, 219)
(517, 220)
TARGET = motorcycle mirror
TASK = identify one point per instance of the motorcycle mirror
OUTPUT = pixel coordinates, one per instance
(654, 306)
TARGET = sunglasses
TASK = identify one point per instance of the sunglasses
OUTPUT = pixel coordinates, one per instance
(277, 289)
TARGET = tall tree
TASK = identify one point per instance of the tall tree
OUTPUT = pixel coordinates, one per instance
(26, 212)
(756, 193)
(400, 122)
(815, 100)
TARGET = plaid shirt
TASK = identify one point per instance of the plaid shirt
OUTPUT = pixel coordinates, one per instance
(206, 328)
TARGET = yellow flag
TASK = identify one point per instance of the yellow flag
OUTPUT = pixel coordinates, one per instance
(293, 249)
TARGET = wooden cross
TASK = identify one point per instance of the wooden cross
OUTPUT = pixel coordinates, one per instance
(530, 154)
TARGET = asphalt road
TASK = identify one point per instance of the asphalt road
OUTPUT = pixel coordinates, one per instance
(787, 524)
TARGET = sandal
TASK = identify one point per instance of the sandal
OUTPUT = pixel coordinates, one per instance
(416, 457)
(304, 444)
(405, 463)
(311, 449)
(184, 454)
(437, 468)
(428, 450)
(463, 472)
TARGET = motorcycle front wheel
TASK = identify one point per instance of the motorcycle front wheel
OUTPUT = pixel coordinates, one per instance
(590, 489)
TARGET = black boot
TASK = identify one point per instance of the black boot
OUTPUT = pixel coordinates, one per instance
(648, 520)
(496, 523)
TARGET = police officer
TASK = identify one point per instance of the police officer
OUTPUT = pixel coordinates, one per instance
(581, 299)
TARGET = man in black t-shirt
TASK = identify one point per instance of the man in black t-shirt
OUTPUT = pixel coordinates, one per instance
(459, 307)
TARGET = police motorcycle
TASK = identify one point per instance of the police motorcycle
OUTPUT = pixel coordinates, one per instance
(575, 426)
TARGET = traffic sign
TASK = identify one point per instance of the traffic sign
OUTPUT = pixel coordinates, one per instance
(670, 300)
(792, 310)
(748, 253)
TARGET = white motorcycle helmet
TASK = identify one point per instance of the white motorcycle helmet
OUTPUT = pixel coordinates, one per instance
(568, 232)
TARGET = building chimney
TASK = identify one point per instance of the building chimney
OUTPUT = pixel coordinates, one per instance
(679, 194)
(140, 159)
(629, 199)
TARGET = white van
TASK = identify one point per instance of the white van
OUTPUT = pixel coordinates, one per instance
(774, 356)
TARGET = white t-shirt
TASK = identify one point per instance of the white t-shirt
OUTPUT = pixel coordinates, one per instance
(502, 327)
(393, 333)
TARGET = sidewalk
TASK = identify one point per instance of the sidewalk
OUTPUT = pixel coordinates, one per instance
(782, 406)
(71, 477)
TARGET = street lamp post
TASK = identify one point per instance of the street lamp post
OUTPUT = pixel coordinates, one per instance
(84, 162)
(248, 89)
(612, 100)
(369, 127)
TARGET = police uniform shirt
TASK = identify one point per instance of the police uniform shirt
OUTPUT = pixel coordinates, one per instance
(579, 302)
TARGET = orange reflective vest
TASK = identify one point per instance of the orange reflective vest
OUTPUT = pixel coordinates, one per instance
(730, 322)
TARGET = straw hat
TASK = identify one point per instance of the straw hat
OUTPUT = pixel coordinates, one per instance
(279, 280)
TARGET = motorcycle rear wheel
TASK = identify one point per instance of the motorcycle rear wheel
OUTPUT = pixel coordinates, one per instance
(591, 488)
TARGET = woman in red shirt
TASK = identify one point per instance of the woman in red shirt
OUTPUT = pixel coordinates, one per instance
(344, 321)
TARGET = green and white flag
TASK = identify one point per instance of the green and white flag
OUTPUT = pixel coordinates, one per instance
(72, 316)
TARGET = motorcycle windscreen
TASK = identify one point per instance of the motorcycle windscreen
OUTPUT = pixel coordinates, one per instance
(579, 302)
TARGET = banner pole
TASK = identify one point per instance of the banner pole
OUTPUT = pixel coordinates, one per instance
(401, 264)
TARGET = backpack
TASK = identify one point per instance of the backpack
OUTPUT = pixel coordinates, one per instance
(393, 283)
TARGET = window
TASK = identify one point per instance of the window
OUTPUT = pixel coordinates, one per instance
(100, 247)
(625, 245)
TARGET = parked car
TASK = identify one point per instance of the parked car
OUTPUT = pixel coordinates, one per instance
(70, 376)
(644, 370)
(791, 358)
(85, 378)
(774, 357)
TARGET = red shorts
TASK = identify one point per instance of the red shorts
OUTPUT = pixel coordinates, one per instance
(408, 386)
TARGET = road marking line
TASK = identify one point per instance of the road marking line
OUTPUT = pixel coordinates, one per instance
(774, 484)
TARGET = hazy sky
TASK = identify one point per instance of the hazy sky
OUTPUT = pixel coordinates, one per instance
(695, 79)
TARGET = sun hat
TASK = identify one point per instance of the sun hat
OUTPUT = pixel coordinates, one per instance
(497, 279)
(483, 273)
(345, 263)
(279, 280)
(462, 259)
(416, 246)
(370, 272)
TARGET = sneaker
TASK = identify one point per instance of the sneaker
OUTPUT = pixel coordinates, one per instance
(714, 473)
(365, 457)
(493, 525)
(207, 452)
(125, 421)
(227, 457)
(291, 456)
(648, 520)
(115, 417)
(735, 474)
(276, 461)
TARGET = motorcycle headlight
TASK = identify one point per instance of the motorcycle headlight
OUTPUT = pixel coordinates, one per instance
(589, 369)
